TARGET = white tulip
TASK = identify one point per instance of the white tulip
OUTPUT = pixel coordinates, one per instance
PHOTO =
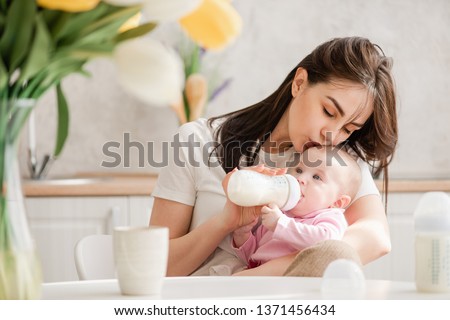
(150, 71)
(168, 10)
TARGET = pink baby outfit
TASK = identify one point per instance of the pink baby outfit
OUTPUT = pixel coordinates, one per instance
(292, 234)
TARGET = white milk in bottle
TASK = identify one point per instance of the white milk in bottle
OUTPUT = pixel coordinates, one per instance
(249, 188)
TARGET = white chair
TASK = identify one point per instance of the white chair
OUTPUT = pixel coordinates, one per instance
(94, 258)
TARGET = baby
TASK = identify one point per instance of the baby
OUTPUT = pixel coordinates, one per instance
(329, 179)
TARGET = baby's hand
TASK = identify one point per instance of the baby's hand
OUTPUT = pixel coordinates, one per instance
(270, 216)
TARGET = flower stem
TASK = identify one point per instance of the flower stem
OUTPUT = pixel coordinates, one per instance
(3, 138)
(32, 85)
(3, 141)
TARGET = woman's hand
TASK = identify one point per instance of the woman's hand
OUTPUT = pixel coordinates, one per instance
(247, 229)
(261, 168)
(234, 216)
(241, 234)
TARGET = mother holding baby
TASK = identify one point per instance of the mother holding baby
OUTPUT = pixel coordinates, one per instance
(341, 93)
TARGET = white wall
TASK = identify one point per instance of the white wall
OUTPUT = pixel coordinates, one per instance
(276, 35)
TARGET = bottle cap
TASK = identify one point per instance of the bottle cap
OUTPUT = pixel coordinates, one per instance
(294, 194)
(343, 279)
(432, 214)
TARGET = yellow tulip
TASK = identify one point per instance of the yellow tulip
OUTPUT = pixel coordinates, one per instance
(131, 23)
(68, 5)
(214, 24)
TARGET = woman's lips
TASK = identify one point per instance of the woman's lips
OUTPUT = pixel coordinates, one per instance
(310, 144)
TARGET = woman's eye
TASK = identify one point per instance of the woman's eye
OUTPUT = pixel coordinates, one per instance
(316, 177)
(328, 114)
(346, 131)
(298, 170)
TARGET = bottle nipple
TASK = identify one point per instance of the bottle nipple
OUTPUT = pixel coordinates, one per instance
(432, 214)
(294, 193)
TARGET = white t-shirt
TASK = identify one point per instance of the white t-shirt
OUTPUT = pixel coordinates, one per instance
(188, 178)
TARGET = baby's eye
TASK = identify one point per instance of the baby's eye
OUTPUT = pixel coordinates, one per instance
(298, 170)
(316, 177)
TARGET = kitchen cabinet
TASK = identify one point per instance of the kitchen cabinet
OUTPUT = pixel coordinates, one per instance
(57, 223)
(139, 210)
(399, 264)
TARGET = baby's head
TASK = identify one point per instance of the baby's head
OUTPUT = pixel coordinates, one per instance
(328, 177)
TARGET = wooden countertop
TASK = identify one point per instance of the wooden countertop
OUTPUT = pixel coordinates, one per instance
(97, 184)
(416, 185)
(92, 185)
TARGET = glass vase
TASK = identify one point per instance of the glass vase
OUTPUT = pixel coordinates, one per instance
(20, 271)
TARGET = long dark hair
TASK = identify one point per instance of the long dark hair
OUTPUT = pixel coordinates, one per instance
(355, 59)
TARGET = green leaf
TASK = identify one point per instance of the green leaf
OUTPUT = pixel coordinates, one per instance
(135, 32)
(15, 40)
(107, 27)
(78, 21)
(103, 29)
(2, 23)
(51, 16)
(3, 76)
(194, 65)
(57, 71)
(64, 66)
(86, 51)
(63, 121)
(39, 55)
(3, 5)
(91, 52)
(57, 21)
(122, 14)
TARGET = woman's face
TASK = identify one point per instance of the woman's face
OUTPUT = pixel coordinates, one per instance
(325, 113)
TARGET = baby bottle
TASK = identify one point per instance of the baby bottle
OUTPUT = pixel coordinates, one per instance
(432, 227)
(249, 188)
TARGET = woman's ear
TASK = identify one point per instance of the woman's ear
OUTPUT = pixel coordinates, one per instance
(342, 202)
(299, 82)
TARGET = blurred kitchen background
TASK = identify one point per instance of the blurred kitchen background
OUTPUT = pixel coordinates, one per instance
(276, 35)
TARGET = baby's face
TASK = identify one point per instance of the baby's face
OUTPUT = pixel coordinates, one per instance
(320, 176)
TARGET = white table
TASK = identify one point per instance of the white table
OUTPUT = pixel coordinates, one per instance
(233, 288)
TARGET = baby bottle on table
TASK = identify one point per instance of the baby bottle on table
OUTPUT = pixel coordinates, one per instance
(432, 227)
(249, 188)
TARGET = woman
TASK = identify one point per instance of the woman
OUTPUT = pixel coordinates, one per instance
(342, 92)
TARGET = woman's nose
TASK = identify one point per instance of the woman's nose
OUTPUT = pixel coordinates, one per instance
(330, 137)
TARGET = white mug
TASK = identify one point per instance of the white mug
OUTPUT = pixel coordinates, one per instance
(140, 257)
